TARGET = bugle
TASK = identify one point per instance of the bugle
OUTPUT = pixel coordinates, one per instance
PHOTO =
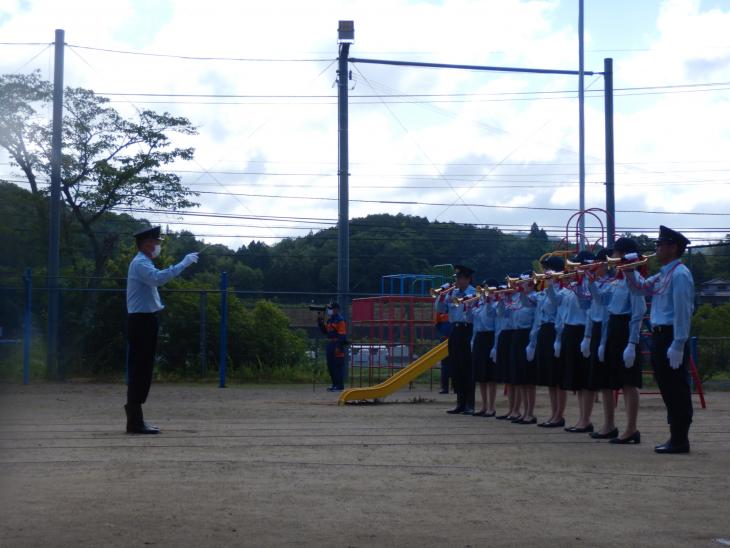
(633, 260)
(441, 290)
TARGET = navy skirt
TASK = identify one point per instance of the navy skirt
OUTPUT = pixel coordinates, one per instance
(483, 367)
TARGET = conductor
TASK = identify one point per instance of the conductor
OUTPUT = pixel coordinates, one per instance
(143, 306)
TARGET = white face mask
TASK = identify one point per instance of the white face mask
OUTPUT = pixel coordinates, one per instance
(329, 311)
(156, 251)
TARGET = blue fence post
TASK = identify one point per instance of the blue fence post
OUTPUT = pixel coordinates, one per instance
(224, 330)
(28, 283)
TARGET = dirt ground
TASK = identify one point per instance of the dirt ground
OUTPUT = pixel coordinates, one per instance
(285, 466)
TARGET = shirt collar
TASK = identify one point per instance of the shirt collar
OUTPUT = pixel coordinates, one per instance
(668, 266)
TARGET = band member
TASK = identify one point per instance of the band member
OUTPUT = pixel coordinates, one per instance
(143, 307)
(460, 318)
(525, 377)
(542, 346)
(672, 304)
(573, 301)
(503, 353)
(594, 344)
(335, 329)
(484, 315)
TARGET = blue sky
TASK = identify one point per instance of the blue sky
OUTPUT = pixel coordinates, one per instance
(493, 139)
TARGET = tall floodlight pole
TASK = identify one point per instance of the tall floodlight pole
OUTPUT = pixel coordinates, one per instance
(54, 370)
(345, 37)
(581, 130)
(608, 117)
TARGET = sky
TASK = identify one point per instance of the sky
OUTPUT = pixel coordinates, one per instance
(491, 148)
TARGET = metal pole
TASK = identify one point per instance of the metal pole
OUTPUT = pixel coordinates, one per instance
(343, 243)
(203, 311)
(224, 330)
(54, 221)
(608, 116)
(28, 283)
(581, 130)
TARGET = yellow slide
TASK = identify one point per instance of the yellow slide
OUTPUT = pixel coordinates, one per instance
(400, 379)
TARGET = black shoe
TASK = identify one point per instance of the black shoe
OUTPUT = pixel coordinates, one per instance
(533, 420)
(467, 411)
(456, 410)
(633, 438)
(503, 417)
(490, 415)
(672, 448)
(515, 420)
(607, 436)
(479, 413)
(135, 421)
(584, 430)
(558, 424)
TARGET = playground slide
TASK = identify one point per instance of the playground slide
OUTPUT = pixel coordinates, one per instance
(400, 379)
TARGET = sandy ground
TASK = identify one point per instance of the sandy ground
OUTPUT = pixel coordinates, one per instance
(285, 466)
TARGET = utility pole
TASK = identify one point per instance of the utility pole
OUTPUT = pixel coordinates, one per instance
(345, 37)
(53, 364)
(608, 117)
(581, 131)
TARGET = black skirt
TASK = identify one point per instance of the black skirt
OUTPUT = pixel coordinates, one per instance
(524, 372)
(549, 371)
(616, 341)
(575, 366)
(504, 344)
(599, 378)
(483, 367)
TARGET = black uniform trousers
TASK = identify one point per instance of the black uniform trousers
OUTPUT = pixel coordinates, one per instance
(460, 363)
(674, 384)
(142, 336)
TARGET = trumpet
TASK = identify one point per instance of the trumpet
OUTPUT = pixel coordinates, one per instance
(441, 291)
(632, 260)
(480, 292)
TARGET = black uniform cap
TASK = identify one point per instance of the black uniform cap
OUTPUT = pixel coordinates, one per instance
(625, 245)
(150, 232)
(461, 270)
(490, 282)
(584, 257)
(603, 253)
(672, 236)
(554, 263)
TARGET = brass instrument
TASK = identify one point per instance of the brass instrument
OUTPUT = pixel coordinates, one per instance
(564, 253)
(640, 261)
(570, 265)
(515, 283)
(480, 292)
(439, 291)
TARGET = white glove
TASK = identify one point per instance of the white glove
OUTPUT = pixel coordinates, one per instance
(445, 286)
(629, 355)
(601, 353)
(585, 347)
(189, 259)
(493, 355)
(675, 357)
(530, 351)
(556, 348)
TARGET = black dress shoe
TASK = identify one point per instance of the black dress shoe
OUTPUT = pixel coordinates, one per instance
(503, 417)
(467, 411)
(533, 420)
(489, 415)
(515, 420)
(633, 438)
(479, 413)
(557, 424)
(584, 430)
(456, 410)
(672, 448)
(607, 436)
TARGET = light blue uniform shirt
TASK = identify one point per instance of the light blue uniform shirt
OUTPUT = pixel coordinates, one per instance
(143, 279)
(545, 312)
(484, 315)
(619, 300)
(672, 301)
(457, 312)
(598, 312)
(571, 309)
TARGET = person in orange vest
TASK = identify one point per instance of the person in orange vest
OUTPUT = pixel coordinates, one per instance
(335, 329)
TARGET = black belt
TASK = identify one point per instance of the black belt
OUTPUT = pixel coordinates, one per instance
(461, 324)
(662, 328)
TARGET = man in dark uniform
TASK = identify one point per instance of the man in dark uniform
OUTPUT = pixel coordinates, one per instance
(143, 306)
(672, 304)
(335, 330)
(460, 338)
